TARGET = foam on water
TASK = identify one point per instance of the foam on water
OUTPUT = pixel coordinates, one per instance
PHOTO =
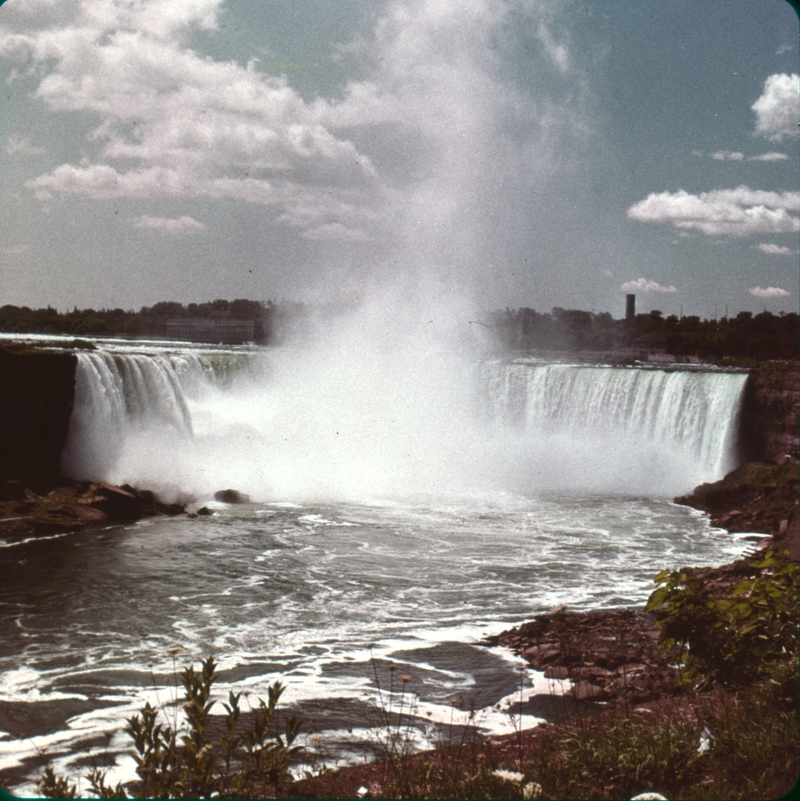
(365, 418)
(422, 582)
(410, 510)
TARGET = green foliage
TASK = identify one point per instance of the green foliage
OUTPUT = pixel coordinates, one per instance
(52, 786)
(729, 641)
(754, 751)
(187, 761)
(626, 757)
(744, 340)
(148, 321)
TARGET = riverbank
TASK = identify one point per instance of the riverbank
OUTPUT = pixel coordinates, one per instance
(73, 506)
(614, 655)
(620, 678)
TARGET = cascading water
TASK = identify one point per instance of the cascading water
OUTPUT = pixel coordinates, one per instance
(401, 497)
(115, 394)
(625, 427)
(182, 421)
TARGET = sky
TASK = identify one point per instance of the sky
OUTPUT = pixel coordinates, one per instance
(534, 153)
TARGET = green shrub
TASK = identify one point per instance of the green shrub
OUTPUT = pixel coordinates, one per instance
(185, 761)
(729, 641)
(754, 749)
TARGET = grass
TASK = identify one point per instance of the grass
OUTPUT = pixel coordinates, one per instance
(732, 744)
(739, 744)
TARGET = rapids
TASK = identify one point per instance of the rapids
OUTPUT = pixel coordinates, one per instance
(401, 511)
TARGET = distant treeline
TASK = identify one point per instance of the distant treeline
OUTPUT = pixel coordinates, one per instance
(149, 321)
(746, 336)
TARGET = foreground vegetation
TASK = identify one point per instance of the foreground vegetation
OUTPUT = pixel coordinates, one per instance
(732, 734)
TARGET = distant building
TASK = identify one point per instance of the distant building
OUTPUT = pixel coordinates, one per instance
(630, 307)
(210, 329)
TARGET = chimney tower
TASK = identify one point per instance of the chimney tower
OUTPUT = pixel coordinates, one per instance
(630, 307)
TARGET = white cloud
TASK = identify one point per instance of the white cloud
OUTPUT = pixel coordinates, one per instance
(168, 122)
(557, 52)
(21, 146)
(768, 292)
(733, 155)
(771, 156)
(169, 225)
(778, 108)
(729, 212)
(646, 285)
(335, 231)
(175, 124)
(775, 250)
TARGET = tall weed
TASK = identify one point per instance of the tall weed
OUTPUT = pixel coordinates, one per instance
(190, 755)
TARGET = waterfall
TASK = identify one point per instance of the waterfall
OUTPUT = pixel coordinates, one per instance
(117, 395)
(687, 419)
(273, 424)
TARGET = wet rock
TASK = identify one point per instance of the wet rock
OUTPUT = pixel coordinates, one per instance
(583, 691)
(38, 389)
(540, 655)
(770, 413)
(116, 502)
(594, 674)
(231, 496)
(11, 490)
(755, 497)
(607, 654)
(75, 506)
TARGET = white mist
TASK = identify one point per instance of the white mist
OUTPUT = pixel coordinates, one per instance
(387, 403)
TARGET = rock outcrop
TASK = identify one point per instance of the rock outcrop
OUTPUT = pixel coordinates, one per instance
(74, 506)
(756, 497)
(771, 414)
(605, 654)
(231, 496)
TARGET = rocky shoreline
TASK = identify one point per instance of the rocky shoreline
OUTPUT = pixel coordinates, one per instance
(74, 506)
(612, 658)
(613, 655)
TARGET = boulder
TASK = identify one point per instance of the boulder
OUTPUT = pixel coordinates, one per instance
(231, 496)
(116, 502)
(583, 691)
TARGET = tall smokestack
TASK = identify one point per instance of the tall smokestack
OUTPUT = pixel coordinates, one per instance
(630, 307)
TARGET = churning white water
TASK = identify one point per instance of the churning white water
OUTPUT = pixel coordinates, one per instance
(283, 424)
(417, 504)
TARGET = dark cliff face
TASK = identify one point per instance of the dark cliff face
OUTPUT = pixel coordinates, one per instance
(37, 390)
(769, 423)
